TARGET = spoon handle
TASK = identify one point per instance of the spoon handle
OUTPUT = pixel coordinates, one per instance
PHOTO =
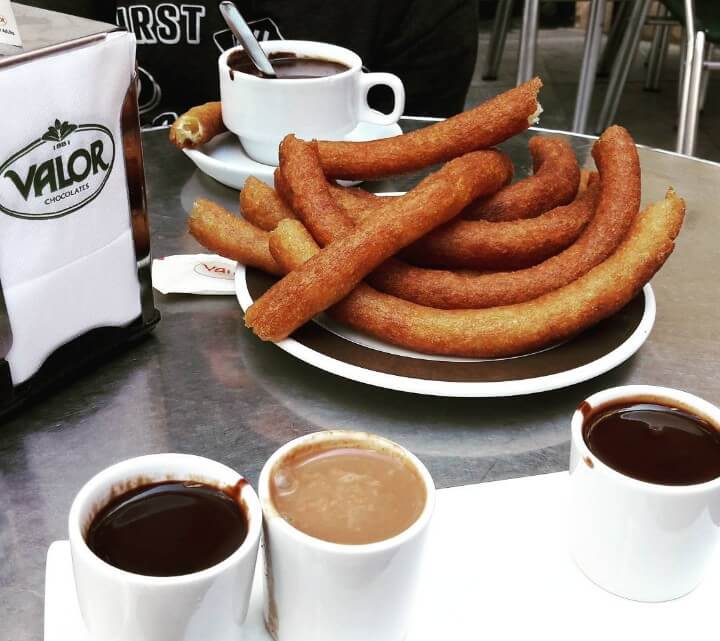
(246, 37)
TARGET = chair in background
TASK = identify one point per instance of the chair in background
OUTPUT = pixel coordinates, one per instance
(701, 21)
(528, 39)
(702, 34)
(620, 12)
(658, 49)
(528, 46)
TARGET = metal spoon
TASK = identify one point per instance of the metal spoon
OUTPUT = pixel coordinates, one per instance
(245, 35)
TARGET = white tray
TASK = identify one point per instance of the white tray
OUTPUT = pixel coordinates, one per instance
(497, 568)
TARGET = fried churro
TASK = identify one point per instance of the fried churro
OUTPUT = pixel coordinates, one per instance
(343, 263)
(221, 231)
(508, 245)
(302, 184)
(197, 126)
(554, 182)
(484, 126)
(261, 205)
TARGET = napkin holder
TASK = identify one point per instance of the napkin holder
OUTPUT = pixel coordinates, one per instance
(47, 33)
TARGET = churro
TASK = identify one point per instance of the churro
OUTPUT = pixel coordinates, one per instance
(197, 126)
(508, 245)
(262, 206)
(221, 231)
(334, 272)
(484, 126)
(554, 182)
(302, 184)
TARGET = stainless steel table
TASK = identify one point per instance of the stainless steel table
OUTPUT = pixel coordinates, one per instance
(204, 384)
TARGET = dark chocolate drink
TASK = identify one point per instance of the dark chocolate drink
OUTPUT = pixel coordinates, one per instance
(655, 443)
(287, 65)
(168, 529)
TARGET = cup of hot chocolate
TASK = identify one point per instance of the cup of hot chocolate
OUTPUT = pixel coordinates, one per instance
(346, 519)
(320, 92)
(645, 490)
(164, 548)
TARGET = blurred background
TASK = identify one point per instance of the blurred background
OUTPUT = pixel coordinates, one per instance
(649, 99)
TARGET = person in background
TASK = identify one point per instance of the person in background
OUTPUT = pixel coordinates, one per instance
(430, 44)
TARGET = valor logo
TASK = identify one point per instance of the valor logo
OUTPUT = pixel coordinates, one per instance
(3, 21)
(214, 270)
(57, 174)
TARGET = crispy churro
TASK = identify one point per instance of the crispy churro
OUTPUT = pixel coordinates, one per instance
(484, 126)
(512, 329)
(262, 206)
(334, 272)
(301, 182)
(220, 231)
(197, 126)
(554, 183)
(350, 198)
(508, 245)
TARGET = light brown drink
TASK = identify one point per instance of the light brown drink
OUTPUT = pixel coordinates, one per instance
(347, 493)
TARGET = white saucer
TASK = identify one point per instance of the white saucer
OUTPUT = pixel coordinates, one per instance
(224, 159)
(497, 567)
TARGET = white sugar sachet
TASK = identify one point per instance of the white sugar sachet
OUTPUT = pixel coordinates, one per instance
(194, 274)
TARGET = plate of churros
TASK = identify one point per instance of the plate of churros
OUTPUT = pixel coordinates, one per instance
(469, 284)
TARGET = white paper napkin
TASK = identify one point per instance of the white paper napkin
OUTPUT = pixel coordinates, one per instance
(9, 32)
(194, 274)
(65, 242)
(100, 293)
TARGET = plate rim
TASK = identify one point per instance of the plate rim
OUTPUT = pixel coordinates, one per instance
(458, 389)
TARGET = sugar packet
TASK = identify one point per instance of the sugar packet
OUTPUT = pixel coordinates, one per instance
(194, 274)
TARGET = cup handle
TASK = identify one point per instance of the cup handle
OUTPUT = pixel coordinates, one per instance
(368, 80)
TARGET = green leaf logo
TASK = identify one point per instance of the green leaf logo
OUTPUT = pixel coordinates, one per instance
(58, 131)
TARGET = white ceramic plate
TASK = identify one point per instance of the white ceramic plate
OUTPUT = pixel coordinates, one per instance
(224, 159)
(497, 567)
(359, 357)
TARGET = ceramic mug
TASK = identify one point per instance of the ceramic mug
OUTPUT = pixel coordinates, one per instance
(639, 540)
(116, 605)
(333, 592)
(261, 112)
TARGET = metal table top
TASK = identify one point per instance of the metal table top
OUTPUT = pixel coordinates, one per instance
(204, 384)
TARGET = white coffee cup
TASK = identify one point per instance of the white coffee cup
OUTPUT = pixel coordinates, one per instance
(116, 605)
(639, 540)
(333, 592)
(261, 112)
